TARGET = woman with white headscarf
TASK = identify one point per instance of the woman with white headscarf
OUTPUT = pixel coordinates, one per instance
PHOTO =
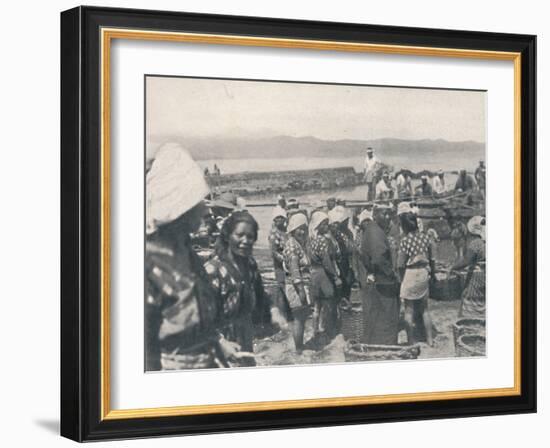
(473, 295)
(325, 277)
(277, 238)
(298, 266)
(360, 272)
(339, 227)
(181, 314)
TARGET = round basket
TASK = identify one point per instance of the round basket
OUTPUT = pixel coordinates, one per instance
(352, 322)
(470, 345)
(468, 326)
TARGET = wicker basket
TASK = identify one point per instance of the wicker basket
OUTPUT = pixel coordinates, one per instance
(470, 345)
(352, 322)
(446, 287)
(354, 352)
(468, 326)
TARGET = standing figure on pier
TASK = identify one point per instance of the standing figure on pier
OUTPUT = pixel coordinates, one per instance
(370, 168)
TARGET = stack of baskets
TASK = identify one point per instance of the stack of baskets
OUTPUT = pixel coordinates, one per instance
(469, 336)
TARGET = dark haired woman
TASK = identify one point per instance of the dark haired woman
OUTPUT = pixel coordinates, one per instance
(235, 277)
(415, 263)
(181, 313)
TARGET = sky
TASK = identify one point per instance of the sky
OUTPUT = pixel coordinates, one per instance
(194, 107)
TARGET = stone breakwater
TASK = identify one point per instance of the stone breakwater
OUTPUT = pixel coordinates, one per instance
(262, 183)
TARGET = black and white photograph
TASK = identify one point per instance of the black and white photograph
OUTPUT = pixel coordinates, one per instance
(292, 223)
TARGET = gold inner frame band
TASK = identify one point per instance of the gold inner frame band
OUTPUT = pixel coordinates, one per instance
(107, 35)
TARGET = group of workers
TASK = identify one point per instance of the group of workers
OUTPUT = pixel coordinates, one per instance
(215, 171)
(381, 186)
(317, 259)
(318, 256)
(206, 312)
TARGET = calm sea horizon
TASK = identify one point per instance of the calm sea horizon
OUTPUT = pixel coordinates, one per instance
(228, 166)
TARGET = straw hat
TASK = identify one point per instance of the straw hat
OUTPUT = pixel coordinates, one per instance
(174, 185)
(296, 220)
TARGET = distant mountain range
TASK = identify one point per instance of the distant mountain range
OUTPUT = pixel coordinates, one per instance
(300, 147)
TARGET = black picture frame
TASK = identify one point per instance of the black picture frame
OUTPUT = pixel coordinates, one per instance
(81, 209)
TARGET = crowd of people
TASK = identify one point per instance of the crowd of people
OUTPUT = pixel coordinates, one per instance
(206, 311)
(383, 186)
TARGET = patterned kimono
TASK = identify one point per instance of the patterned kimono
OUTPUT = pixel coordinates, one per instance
(346, 247)
(298, 268)
(277, 240)
(324, 272)
(181, 310)
(473, 296)
(243, 300)
(360, 272)
(415, 255)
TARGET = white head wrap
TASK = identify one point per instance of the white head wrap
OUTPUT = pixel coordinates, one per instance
(364, 215)
(295, 221)
(338, 214)
(316, 219)
(404, 207)
(476, 226)
(279, 211)
(174, 185)
(241, 203)
(381, 206)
